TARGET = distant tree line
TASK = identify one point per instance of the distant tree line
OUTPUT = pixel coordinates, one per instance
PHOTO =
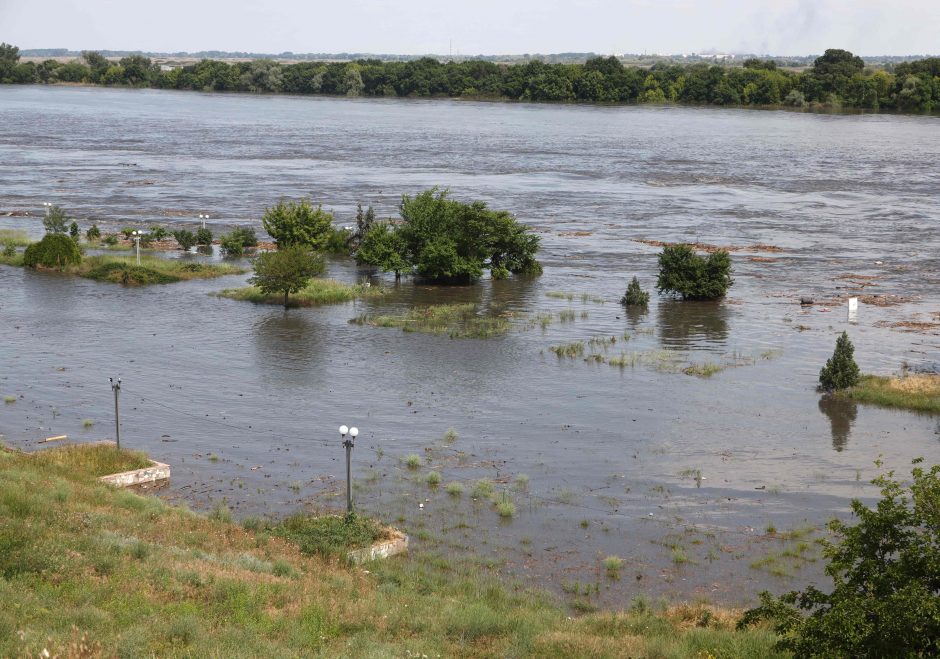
(837, 79)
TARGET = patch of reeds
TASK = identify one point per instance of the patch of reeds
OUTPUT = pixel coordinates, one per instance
(459, 321)
(569, 350)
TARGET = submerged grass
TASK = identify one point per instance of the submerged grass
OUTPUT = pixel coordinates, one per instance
(317, 292)
(85, 565)
(152, 270)
(15, 237)
(459, 321)
(917, 392)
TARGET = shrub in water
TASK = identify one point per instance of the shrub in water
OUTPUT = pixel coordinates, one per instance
(235, 242)
(840, 371)
(73, 231)
(158, 233)
(186, 239)
(203, 236)
(684, 273)
(55, 250)
(635, 296)
(9, 249)
(93, 233)
(110, 240)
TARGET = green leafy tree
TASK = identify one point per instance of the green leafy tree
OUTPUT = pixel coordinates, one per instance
(840, 371)
(298, 223)
(684, 273)
(286, 271)
(449, 241)
(9, 57)
(55, 220)
(73, 230)
(158, 233)
(185, 238)
(635, 296)
(55, 250)
(885, 570)
(93, 233)
(382, 247)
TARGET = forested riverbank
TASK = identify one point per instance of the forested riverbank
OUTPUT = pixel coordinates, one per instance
(838, 79)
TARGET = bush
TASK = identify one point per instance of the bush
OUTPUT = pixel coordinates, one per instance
(186, 239)
(886, 577)
(110, 239)
(73, 231)
(635, 296)
(339, 241)
(127, 232)
(55, 220)
(9, 249)
(93, 233)
(840, 371)
(684, 273)
(235, 242)
(203, 236)
(158, 233)
(55, 250)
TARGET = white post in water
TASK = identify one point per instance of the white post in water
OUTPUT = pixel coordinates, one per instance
(853, 310)
(203, 218)
(137, 235)
(47, 205)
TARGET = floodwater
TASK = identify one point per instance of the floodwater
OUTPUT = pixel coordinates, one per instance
(679, 475)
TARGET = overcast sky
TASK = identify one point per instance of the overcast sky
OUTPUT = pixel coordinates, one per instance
(781, 27)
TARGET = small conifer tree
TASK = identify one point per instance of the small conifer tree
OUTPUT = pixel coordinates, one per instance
(840, 371)
(635, 296)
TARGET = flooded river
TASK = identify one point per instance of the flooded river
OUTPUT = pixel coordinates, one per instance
(705, 486)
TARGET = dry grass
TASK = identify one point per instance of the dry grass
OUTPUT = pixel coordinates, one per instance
(917, 392)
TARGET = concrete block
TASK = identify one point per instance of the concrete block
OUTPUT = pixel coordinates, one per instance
(382, 549)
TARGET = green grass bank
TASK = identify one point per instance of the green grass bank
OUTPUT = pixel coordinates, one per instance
(87, 570)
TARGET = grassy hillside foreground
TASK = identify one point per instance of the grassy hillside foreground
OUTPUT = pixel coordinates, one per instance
(89, 571)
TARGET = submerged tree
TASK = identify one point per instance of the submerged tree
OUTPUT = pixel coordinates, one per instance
(286, 271)
(684, 273)
(635, 296)
(298, 223)
(445, 240)
(840, 371)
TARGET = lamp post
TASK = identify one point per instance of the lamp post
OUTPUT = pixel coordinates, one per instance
(137, 235)
(47, 205)
(203, 218)
(348, 443)
(116, 388)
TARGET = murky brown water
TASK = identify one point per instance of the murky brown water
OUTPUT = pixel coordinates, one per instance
(243, 401)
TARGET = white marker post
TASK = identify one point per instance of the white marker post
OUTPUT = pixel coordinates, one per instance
(853, 310)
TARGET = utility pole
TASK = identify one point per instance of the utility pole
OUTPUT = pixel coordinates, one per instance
(116, 388)
(348, 443)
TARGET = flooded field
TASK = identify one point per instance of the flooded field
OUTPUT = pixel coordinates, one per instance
(714, 486)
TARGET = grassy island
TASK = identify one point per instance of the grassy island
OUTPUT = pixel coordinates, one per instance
(124, 269)
(315, 293)
(89, 570)
(917, 392)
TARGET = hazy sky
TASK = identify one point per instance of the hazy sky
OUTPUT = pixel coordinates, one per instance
(783, 27)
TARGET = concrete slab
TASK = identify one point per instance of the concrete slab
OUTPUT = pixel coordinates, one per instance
(382, 549)
(155, 473)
